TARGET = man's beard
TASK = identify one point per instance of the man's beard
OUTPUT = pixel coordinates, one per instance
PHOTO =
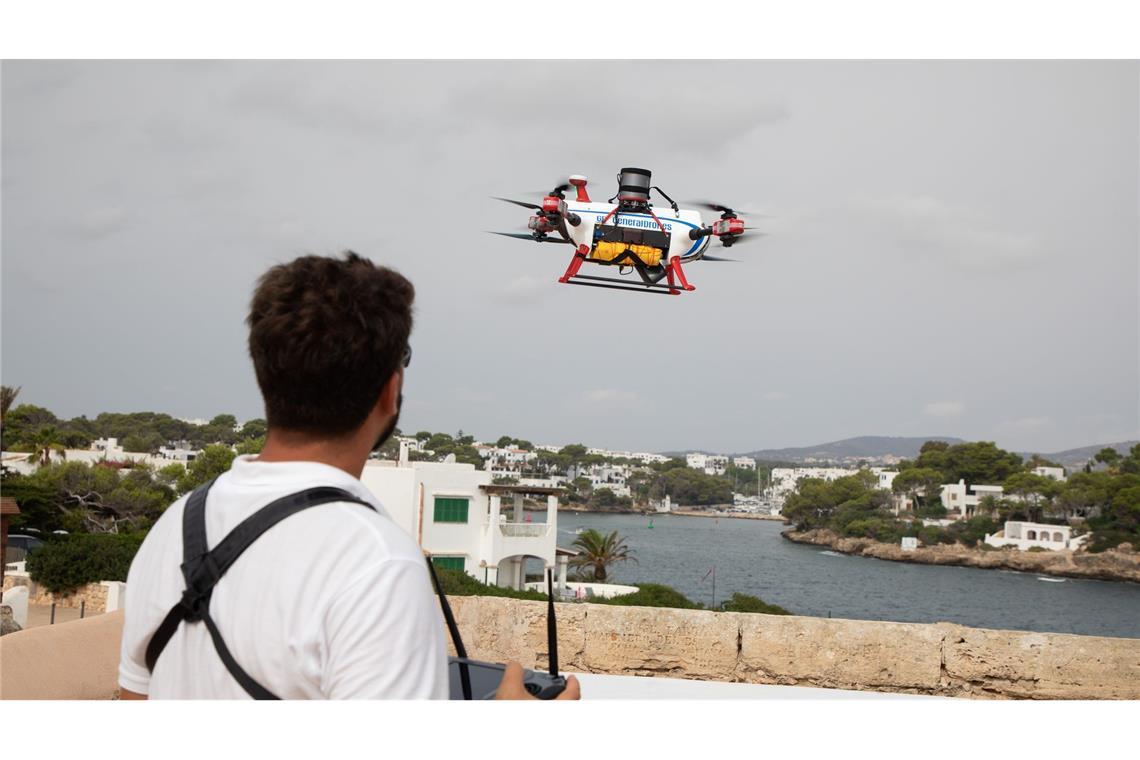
(391, 425)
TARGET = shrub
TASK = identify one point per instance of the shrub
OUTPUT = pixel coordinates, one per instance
(653, 595)
(747, 603)
(66, 563)
(931, 535)
(1103, 539)
(970, 532)
(1037, 549)
(459, 583)
(878, 528)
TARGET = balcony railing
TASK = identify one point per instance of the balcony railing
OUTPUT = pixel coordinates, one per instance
(523, 530)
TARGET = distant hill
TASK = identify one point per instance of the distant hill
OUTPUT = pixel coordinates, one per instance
(876, 446)
(862, 447)
(1076, 458)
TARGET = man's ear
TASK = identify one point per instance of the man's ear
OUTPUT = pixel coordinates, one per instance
(388, 403)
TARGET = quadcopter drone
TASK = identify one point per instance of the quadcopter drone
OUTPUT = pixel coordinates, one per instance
(631, 233)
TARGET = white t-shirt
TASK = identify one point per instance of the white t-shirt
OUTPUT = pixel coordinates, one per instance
(333, 602)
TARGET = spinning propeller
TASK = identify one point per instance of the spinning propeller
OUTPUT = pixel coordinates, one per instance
(535, 238)
(729, 216)
(524, 204)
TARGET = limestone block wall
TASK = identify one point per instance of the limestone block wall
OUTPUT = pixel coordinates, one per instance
(938, 659)
(94, 594)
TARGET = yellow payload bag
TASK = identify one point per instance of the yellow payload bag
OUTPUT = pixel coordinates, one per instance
(607, 251)
(649, 255)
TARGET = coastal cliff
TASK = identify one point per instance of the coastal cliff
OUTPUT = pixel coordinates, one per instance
(1111, 565)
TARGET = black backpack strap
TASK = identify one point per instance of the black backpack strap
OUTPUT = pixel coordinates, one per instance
(453, 629)
(193, 545)
(203, 568)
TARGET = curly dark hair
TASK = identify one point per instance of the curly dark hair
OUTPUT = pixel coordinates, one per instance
(325, 335)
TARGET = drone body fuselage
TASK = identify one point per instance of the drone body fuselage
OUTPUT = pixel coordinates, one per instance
(677, 225)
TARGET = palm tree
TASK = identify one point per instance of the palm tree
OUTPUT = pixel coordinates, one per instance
(7, 396)
(599, 552)
(47, 441)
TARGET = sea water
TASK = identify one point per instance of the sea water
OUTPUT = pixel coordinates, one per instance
(750, 556)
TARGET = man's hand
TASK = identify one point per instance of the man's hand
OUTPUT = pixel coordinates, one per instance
(512, 687)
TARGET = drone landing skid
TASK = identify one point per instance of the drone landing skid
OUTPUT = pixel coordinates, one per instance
(604, 282)
(649, 284)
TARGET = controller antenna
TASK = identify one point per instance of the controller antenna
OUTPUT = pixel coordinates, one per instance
(551, 624)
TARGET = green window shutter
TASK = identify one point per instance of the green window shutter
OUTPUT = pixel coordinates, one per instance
(449, 563)
(450, 510)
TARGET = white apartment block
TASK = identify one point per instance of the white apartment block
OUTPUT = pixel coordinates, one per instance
(711, 464)
(467, 523)
(745, 463)
(1026, 535)
(784, 479)
(648, 458)
(509, 458)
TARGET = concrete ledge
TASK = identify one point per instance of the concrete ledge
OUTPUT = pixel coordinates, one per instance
(979, 662)
(911, 658)
(79, 660)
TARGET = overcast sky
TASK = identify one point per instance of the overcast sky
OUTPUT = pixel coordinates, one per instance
(952, 249)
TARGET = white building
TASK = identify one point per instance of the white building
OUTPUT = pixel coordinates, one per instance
(506, 455)
(710, 464)
(886, 477)
(108, 447)
(414, 444)
(784, 479)
(1056, 473)
(180, 452)
(745, 463)
(648, 458)
(465, 522)
(1026, 535)
(957, 497)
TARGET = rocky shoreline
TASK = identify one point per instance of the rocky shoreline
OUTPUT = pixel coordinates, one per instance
(1111, 565)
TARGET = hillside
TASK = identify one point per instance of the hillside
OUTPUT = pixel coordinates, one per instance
(1076, 458)
(865, 446)
(875, 446)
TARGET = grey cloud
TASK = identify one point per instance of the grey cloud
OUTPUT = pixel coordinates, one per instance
(99, 223)
(524, 290)
(944, 409)
(930, 228)
(623, 101)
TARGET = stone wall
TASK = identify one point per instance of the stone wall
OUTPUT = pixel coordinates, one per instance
(938, 659)
(94, 594)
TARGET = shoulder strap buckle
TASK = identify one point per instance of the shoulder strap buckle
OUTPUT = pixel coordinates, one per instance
(201, 574)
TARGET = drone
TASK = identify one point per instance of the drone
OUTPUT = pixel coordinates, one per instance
(629, 233)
